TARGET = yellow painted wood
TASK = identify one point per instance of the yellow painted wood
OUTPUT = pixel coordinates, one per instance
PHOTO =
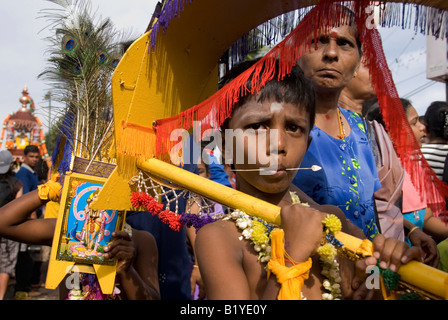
(425, 277)
(106, 277)
(58, 269)
(180, 73)
(211, 190)
(182, 70)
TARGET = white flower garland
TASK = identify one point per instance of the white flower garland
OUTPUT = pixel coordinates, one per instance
(258, 232)
(247, 223)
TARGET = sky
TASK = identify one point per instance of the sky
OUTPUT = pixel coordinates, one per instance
(23, 50)
(23, 57)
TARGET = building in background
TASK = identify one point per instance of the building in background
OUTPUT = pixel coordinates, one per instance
(23, 128)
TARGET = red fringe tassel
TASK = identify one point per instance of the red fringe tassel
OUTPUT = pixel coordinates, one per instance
(213, 111)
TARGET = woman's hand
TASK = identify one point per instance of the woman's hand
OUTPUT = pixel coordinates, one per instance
(196, 279)
(390, 253)
(427, 246)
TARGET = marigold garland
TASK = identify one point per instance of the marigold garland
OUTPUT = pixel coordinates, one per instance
(332, 224)
(259, 233)
(256, 230)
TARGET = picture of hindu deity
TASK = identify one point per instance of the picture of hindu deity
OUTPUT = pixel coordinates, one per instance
(86, 231)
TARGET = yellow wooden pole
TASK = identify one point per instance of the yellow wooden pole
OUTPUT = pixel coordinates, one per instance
(427, 278)
(211, 190)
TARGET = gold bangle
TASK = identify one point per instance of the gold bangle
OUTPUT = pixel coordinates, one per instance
(195, 266)
(409, 234)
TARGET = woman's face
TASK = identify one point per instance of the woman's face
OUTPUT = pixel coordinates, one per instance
(417, 127)
(333, 60)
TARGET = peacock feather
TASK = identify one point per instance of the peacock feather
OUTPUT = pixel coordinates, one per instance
(83, 52)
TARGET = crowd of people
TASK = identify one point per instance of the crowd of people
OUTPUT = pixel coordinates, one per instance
(326, 115)
(20, 260)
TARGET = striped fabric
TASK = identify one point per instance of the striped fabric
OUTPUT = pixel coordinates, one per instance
(435, 154)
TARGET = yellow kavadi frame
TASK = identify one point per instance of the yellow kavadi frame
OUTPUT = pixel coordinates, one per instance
(180, 72)
(59, 266)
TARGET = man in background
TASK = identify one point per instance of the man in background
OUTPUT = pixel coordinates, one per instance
(25, 262)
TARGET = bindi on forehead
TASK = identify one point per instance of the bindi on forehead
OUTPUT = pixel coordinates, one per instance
(334, 34)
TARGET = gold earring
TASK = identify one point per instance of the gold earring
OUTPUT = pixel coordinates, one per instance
(355, 74)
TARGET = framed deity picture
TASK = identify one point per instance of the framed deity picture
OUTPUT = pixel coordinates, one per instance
(85, 232)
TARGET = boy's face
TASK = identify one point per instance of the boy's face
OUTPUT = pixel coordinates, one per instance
(268, 138)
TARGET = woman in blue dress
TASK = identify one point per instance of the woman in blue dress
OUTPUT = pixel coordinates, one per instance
(340, 145)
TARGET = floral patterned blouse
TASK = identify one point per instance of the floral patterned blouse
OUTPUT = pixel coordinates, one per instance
(348, 177)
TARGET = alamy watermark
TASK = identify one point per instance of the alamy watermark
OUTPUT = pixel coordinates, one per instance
(72, 282)
(247, 146)
(373, 280)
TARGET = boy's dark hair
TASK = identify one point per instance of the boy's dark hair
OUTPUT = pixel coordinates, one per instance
(294, 88)
(436, 119)
(31, 148)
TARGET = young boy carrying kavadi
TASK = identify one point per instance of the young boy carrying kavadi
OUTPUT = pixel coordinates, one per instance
(234, 253)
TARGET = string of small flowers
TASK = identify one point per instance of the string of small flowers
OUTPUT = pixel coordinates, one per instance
(258, 232)
(146, 201)
(327, 256)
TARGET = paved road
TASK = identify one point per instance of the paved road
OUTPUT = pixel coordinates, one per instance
(35, 294)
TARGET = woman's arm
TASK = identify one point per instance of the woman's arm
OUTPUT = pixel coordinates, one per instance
(434, 226)
(424, 241)
(195, 277)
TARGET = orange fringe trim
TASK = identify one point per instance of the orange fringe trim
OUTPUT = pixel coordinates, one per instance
(136, 140)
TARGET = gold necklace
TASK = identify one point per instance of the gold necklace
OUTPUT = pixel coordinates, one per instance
(341, 134)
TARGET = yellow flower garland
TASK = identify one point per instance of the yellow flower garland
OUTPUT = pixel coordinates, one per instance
(260, 233)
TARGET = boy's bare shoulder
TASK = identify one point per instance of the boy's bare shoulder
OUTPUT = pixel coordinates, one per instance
(217, 232)
(218, 226)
